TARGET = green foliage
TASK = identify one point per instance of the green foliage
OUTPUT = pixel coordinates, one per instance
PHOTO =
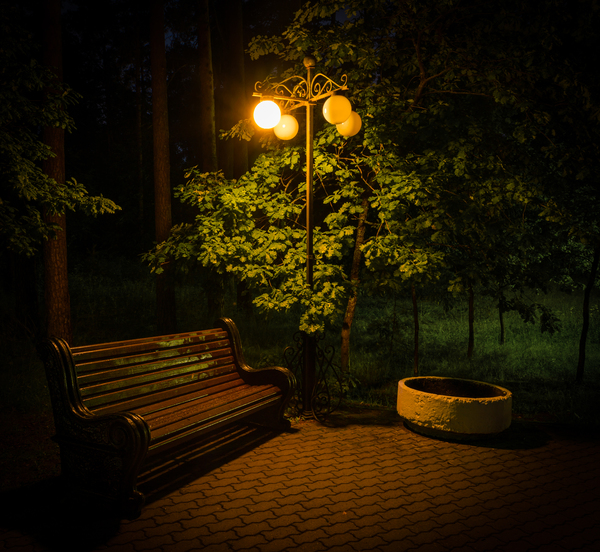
(31, 98)
(252, 228)
(463, 157)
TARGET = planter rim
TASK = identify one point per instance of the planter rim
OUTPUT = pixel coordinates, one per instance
(505, 392)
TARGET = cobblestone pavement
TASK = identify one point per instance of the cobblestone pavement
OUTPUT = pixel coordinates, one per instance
(362, 481)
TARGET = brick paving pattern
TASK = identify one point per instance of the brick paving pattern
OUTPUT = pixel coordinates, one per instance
(352, 484)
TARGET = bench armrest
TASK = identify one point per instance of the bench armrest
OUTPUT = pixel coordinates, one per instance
(274, 375)
(119, 441)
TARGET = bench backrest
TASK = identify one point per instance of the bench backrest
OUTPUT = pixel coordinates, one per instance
(132, 374)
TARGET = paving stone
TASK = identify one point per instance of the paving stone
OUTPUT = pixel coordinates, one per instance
(307, 537)
(280, 533)
(419, 506)
(369, 543)
(340, 538)
(235, 508)
(161, 543)
(224, 547)
(323, 491)
(231, 524)
(310, 503)
(284, 521)
(163, 529)
(257, 517)
(312, 513)
(456, 541)
(248, 543)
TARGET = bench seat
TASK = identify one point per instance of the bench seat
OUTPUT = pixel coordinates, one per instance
(118, 404)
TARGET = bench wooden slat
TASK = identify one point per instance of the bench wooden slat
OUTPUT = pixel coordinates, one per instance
(181, 416)
(119, 348)
(208, 419)
(145, 386)
(92, 382)
(148, 403)
(199, 351)
(210, 425)
(153, 409)
(138, 397)
(178, 375)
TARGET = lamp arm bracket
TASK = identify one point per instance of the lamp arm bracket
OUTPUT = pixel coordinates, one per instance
(321, 86)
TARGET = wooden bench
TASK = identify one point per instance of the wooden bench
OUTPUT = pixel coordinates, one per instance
(117, 405)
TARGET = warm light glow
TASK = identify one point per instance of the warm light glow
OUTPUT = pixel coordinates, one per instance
(267, 114)
(286, 128)
(337, 109)
(350, 126)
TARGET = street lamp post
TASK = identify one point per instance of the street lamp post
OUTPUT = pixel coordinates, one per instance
(295, 92)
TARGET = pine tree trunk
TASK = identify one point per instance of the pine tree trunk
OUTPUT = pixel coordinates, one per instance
(502, 330)
(471, 323)
(233, 106)
(56, 282)
(138, 128)
(165, 291)
(208, 140)
(214, 283)
(354, 279)
(586, 315)
(26, 314)
(416, 324)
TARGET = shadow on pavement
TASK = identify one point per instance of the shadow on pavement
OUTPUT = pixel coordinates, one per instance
(519, 436)
(46, 513)
(59, 521)
(347, 415)
(163, 476)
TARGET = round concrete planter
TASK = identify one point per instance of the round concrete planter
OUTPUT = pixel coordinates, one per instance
(454, 408)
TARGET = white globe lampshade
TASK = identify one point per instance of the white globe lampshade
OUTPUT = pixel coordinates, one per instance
(267, 114)
(286, 128)
(350, 126)
(337, 109)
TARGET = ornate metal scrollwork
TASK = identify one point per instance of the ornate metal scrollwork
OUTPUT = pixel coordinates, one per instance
(285, 88)
(327, 392)
(322, 86)
(298, 90)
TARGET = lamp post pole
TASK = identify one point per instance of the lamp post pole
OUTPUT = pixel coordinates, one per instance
(310, 344)
(306, 92)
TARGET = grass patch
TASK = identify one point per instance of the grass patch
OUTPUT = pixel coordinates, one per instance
(538, 367)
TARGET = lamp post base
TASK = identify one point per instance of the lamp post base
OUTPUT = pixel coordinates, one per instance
(320, 389)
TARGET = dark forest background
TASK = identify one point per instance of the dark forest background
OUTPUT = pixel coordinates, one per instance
(107, 66)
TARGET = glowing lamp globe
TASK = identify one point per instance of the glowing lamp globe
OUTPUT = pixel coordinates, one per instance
(267, 114)
(286, 128)
(337, 109)
(350, 126)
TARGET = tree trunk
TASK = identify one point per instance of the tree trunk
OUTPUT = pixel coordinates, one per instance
(215, 284)
(471, 319)
(416, 323)
(56, 282)
(138, 128)
(208, 140)
(165, 291)
(233, 105)
(22, 273)
(354, 279)
(501, 309)
(586, 315)
(244, 298)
